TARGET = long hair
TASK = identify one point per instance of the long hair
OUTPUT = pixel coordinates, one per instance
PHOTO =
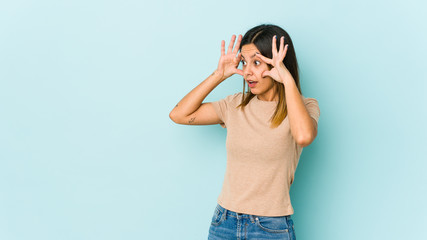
(261, 36)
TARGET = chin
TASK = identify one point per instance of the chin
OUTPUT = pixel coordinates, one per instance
(255, 91)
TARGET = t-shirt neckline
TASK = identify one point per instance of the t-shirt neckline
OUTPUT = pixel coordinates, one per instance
(259, 100)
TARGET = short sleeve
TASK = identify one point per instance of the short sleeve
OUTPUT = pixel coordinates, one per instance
(224, 106)
(312, 106)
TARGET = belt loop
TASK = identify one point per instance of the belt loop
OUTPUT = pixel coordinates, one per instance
(225, 214)
(252, 218)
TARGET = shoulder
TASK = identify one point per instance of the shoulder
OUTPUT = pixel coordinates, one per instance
(310, 100)
(235, 95)
(228, 101)
(235, 98)
(312, 105)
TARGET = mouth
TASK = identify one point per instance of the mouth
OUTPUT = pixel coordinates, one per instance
(251, 83)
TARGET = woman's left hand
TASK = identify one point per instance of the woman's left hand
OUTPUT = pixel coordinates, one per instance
(276, 61)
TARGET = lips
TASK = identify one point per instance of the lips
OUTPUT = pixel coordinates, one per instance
(251, 83)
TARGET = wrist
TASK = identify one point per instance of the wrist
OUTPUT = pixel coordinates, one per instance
(218, 75)
(284, 74)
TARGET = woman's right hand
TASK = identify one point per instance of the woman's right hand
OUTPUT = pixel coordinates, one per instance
(229, 62)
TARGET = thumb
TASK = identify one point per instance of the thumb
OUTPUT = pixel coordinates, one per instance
(266, 74)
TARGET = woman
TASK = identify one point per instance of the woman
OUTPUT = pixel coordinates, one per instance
(267, 127)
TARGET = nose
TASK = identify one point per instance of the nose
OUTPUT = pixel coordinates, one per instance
(247, 71)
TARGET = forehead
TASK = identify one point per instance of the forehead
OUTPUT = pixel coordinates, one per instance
(248, 50)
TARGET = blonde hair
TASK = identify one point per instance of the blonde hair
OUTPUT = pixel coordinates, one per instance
(281, 109)
(261, 37)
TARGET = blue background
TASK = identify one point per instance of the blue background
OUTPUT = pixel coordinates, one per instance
(87, 149)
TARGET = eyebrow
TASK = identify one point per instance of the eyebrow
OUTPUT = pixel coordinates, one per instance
(251, 56)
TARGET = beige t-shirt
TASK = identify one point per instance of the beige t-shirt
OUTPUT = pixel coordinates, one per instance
(261, 161)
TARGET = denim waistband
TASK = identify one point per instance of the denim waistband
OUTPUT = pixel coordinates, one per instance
(242, 215)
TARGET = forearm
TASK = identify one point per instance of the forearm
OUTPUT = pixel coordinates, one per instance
(192, 101)
(302, 126)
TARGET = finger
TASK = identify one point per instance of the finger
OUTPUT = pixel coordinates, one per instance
(265, 59)
(239, 40)
(237, 59)
(222, 47)
(266, 74)
(285, 51)
(230, 46)
(282, 44)
(239, 71)
(274, 46)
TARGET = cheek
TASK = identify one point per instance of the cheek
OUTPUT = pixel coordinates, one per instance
(263, 69)
(260, 70)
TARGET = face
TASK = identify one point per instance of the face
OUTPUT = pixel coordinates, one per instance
(253, 67)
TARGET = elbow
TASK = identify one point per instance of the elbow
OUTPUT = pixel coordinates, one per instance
(173, 117)
(305, 140)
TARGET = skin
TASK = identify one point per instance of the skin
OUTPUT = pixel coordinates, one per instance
(303, 127)
(254, 69)
(192, 111)
(228, 62)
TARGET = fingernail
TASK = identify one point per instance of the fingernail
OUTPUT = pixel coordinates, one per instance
(274, 36)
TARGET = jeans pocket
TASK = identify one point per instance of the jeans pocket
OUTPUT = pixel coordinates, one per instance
(217, 217)
(273, 224)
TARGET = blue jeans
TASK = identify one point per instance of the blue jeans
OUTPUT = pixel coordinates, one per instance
(227, 224)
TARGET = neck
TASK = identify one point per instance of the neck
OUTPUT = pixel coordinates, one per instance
(269, 96)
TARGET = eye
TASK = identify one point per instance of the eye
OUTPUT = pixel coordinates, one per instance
(243, 62)
(257, 62)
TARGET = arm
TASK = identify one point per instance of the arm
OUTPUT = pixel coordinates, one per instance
(190, 110)
(303, 126)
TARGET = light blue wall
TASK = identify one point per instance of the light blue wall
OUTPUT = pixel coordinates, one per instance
(87, 149)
